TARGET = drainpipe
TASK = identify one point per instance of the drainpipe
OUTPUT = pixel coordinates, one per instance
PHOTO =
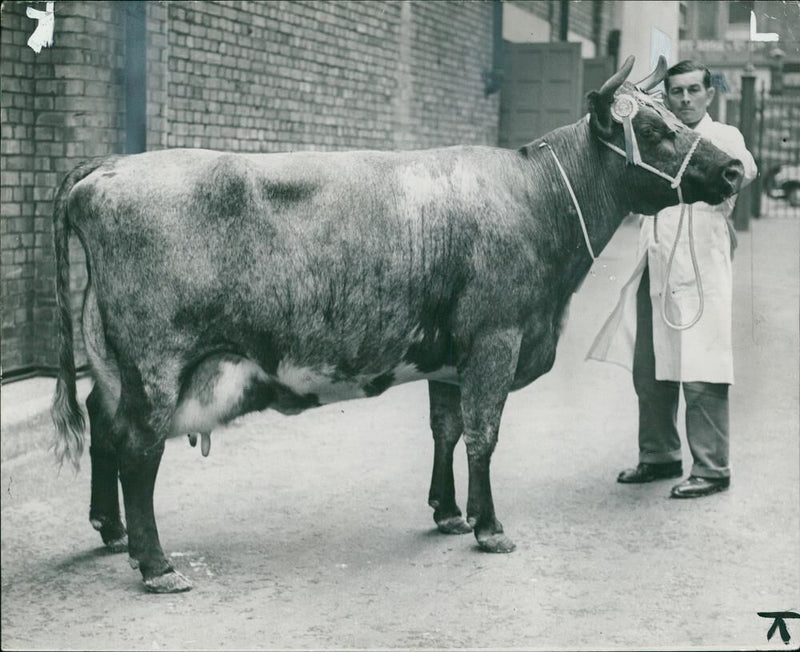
(493, 79)
(747, 113)
(563, 26)
(135, 76)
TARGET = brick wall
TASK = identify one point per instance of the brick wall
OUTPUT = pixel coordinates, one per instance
(240, 76)
(278, 76)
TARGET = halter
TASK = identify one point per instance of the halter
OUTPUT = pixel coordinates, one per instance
(624, 108)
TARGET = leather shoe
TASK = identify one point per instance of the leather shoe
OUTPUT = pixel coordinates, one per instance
(696, 487)
(645, 472)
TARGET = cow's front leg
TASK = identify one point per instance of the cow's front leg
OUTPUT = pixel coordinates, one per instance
(446, 425)
(486, 378)
(138, 475)
(104, 512)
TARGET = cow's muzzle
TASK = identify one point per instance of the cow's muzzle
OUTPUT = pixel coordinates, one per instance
(732, 176)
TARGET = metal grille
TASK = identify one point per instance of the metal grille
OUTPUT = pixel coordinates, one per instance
(778, 155)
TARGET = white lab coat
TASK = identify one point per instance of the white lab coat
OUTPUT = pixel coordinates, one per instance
(703, 352)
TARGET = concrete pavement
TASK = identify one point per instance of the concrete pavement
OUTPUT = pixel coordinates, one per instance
(313, 532)
(25, 414)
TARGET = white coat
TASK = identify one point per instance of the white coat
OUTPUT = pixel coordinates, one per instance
(703, 352)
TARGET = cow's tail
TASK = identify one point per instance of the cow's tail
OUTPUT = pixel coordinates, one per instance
(66, 413)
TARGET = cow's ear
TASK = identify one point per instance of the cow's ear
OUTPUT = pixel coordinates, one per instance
(600, 122)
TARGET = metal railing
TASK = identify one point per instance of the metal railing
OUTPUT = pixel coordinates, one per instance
(778, 155)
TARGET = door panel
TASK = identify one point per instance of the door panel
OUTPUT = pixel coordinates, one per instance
(542, 85)
(595, 72)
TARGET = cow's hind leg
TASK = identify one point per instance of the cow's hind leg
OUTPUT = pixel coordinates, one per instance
(104, 513)
(138, 471)
(485, 382)
(446, 425)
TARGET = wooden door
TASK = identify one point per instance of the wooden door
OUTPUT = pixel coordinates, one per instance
(595, 73)
(542, 90)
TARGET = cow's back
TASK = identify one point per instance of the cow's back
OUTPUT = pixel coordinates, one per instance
(349, 265)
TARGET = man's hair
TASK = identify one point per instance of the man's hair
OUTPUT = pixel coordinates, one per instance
(687, 65)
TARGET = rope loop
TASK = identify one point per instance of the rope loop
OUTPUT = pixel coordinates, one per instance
(546, 145)
(696, 269)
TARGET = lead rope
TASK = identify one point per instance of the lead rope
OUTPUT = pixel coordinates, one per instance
(675, 182)
(698, 282)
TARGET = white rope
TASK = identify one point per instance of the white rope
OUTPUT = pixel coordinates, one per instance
(574, 199)
(674, 181)
(698, 282)
(684, 165)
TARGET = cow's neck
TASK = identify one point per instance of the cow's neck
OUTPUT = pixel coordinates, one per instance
(600, 192)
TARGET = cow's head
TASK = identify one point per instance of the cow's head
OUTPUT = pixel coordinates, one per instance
(651, 140)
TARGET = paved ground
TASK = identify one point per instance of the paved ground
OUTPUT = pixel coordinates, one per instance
(313, 532)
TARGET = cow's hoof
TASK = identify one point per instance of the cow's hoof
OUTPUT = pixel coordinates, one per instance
(169, 582)
(117, 545)
(453, 525)
(498, 542)
(112, 532)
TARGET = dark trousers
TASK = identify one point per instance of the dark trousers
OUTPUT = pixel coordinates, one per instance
(707, 423)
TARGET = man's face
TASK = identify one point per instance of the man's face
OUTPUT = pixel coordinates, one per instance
(688, 98)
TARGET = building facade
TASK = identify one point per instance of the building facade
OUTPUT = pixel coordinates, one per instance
(720, 34)
(602, 27)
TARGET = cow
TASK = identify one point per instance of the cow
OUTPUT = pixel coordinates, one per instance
(221, 284)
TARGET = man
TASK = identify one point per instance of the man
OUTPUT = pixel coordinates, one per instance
(662, 356)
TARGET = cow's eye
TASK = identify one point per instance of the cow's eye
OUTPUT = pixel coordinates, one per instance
(649, 133)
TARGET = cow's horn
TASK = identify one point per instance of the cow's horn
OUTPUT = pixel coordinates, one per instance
(655, 77)
(609, 88)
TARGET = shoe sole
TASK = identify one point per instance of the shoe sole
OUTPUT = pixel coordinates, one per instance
(703, 494)
(653, 479)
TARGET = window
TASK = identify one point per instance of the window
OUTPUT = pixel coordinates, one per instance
(683, 32)
(707, 20)
(739, 11)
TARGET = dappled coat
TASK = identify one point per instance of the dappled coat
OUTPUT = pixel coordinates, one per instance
(703, 352)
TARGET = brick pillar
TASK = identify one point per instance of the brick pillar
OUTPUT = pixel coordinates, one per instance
(60, 107)
(157, 25)
(81, 74)
(17, 240)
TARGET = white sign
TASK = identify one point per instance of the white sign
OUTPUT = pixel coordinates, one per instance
(660, 45)
(763, 36)
(43, 34)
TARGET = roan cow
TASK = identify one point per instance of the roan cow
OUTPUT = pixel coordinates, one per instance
(221, 283)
